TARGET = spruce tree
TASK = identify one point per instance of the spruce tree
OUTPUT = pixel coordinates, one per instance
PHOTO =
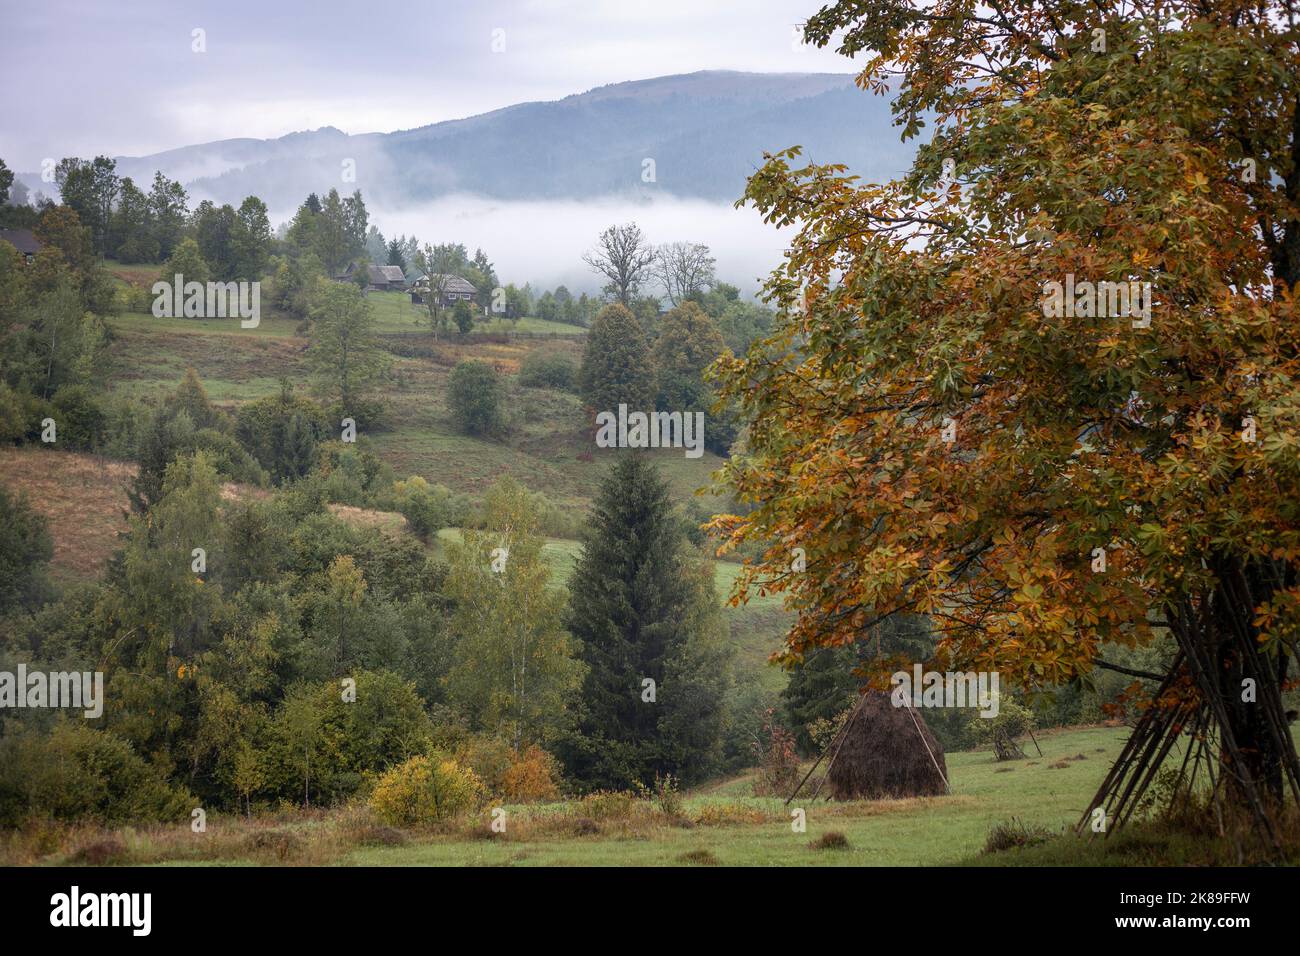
(636, 611)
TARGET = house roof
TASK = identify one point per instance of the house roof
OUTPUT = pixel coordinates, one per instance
(376, 275)
(22, 239)
(452, 283)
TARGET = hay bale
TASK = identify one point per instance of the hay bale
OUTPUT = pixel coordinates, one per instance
(882, 756)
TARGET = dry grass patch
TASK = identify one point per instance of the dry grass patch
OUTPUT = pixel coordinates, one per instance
(83, 496)
(875, 808)
(699, 858)
(830, 840)
(369, 518)
(1013, 834)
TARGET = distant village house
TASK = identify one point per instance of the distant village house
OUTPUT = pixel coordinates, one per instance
(24, 241)
(454, 289)
(380, 278)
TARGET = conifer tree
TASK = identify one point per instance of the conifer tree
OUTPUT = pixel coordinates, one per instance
(639, 615)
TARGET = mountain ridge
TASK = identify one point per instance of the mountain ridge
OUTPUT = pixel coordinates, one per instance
(692, 135)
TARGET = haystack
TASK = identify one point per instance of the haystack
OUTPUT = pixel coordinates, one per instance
(885, 751)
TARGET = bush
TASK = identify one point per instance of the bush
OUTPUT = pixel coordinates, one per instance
(323, 749)
(548, 370)
(425, 790)
(488, 756)
(76, 773)
(823, 730)
(350, 475)
(728, 814)
(830, 840)
(666, 794)
(474, 397)
(427, 508)
(553, 520)
(609, 805)
(531, 777)
(282, 433)
(123, 422)
(369, 413)
(1013, 720)
(25, 547)
(13, 415)
(81, 422)
(1013, 834)
(463, 317)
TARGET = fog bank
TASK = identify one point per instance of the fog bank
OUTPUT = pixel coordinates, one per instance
(542, 241)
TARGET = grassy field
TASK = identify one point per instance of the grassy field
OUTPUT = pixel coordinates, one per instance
(918, 832)
(720, 825)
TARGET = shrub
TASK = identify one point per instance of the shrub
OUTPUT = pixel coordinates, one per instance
(830, 840)
(427, 508)
(282, 433)
(229, 456)
(665, 794)
(77, 773)
(548, 370)
(823, 730)
(488, 756)
(322, 748)
(462, 316)
(474, 397)
(1013, 834)
(425, 790)
(13, 414)
(531, 777)
(123, 422)
(81, 422)
(609, 805)
(350, 475)
(100, 852)
(553, 520)
(1012, 721)
(25, 548)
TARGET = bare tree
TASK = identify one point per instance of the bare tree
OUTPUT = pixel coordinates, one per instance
(624, 258)
(685, 269)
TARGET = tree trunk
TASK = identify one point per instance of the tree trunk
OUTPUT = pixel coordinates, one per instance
(1241, 684)
(1260, 750)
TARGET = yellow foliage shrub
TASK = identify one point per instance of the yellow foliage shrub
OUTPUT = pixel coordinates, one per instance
(530, 778)
(425, 790)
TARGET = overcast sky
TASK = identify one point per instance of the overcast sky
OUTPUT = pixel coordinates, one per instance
(91, 77)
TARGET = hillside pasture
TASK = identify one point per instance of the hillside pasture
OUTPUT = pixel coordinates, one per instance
(546, 446)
